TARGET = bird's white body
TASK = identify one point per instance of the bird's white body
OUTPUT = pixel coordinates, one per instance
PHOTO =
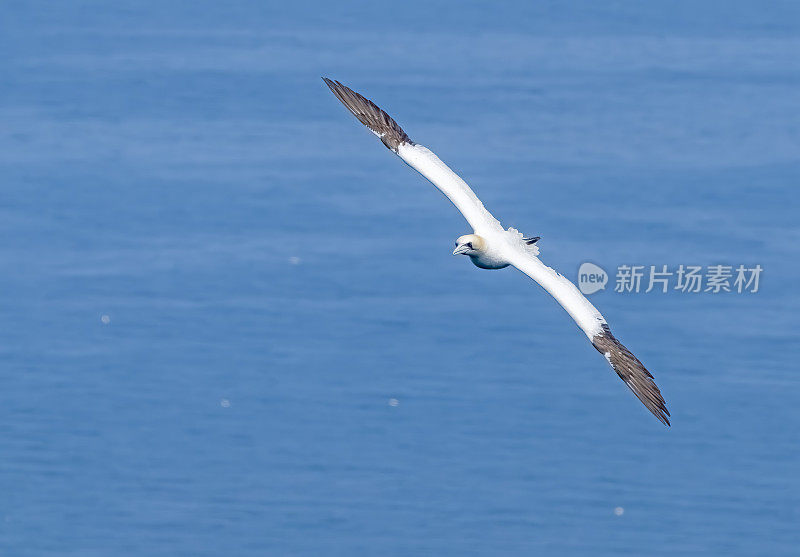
(502, 247)
(492, 247)
(488, 261)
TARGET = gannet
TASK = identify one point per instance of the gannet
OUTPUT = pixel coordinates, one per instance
(491, 247)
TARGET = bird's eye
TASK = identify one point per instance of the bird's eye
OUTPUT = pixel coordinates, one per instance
(469, 245)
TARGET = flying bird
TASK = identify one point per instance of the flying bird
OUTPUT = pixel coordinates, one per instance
(491, 247)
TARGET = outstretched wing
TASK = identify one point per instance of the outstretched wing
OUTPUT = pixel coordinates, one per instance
(449, 183)
(627, 366)
(419, 158)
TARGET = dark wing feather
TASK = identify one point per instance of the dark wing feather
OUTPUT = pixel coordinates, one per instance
(369, 114)
(631, 370)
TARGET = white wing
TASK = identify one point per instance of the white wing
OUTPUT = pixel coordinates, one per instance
(627, 366)
(515, 251)
(567, 294)
(424, 161)
(419, 158)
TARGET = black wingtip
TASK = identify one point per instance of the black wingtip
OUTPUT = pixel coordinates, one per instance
(328, 82)
(369, 114)
(633, 373)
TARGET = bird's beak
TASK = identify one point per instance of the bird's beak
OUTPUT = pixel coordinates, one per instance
(461, 249)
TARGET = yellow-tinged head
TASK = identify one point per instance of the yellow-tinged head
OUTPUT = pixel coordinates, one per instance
(469, 244)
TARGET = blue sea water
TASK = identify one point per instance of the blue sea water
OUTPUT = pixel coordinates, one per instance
(230, 323)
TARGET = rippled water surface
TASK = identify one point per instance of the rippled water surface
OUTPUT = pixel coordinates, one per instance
(230, 323)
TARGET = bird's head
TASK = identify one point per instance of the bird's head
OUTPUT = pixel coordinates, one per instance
(469, 244)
